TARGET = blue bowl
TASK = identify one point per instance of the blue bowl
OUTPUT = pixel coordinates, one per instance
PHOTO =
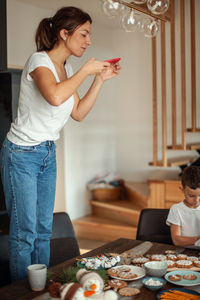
(148, 283)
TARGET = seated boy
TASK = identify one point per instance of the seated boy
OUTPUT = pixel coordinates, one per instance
(184, 217)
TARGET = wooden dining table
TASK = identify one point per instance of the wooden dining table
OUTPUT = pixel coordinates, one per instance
(20, 290)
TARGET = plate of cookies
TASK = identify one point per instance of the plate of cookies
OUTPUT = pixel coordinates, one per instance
(126, 272)
(183, 277)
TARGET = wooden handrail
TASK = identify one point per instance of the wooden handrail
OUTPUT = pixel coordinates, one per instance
(183, 80)
(173, 75)
(154, 99)
(193, 63)
(163, 88)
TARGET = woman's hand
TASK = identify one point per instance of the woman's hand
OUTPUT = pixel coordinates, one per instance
(94, 67)
(102, 69)
(110, 72)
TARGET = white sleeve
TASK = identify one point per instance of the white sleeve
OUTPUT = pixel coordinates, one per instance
(173, 216)
(38, 59)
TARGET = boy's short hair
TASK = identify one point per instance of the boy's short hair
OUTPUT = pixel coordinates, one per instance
(191, 177)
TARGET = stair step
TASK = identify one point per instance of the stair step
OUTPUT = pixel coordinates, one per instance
(117, 210)
(102, 229)
(176, 161)
(138, 192)
(190, 146)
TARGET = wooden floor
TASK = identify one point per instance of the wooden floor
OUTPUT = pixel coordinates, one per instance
(87, 245)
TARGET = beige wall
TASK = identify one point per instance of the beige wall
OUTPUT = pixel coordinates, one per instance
(117, 134)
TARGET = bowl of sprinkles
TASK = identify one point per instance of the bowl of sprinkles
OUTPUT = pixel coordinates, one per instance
(153, 283)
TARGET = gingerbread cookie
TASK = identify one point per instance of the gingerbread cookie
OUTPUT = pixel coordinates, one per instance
(170, 263)
(175, 277)
(123, 269)
(140, 260)
(197, 263)
(158, 257)
(127, 275)
(116, 284)
(113, 272)
(190, 276)
(184, 263)
(129, 291)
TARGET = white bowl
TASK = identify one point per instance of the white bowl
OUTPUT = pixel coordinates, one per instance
(156, 268)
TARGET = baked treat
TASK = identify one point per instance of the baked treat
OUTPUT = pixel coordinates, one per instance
(171, 257)
(184, 263)
(116, 284)
(71, 291)
(181, 256)
(140, 260)
(158, 257)
(113, 272)
(190, 276)
(129, 291)
(192, 258)
(197, 263)
(127, 275)
(175, 277)
(170, 263)
(123, 269)
(54, 290)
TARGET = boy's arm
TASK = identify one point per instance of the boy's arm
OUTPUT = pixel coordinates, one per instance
(179, 240)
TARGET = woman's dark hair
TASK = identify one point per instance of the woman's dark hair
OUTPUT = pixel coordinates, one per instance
(191, 177)
(68, 18)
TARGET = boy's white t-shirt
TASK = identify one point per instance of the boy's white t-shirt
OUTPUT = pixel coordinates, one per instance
(185, 217)
(37, 120)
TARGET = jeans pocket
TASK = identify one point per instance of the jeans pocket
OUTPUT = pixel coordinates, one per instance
(24, 149)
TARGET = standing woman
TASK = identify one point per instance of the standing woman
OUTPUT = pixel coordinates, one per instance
(48, 97)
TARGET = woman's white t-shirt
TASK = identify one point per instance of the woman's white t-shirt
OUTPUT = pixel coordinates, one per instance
(37, 120)
(185, 217)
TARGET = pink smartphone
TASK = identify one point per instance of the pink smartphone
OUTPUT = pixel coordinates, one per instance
(113, 61)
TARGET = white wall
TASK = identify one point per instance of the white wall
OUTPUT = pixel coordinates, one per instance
(117, 134)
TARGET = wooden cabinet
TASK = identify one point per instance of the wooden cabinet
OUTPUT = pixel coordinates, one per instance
(164, 193)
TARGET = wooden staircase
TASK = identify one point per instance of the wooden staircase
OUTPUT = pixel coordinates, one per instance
(119, 218)
(114, 219)
(176, 107)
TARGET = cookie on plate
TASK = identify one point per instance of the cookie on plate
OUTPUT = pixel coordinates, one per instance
(175, 277)
(123, 269)
(129, 291)
(192, 258)
(197, 263)
(127, 275)
(113, 272)
(139, 260)
(170, 263)
(184, 263)
(190, 276)
(158, 257)
(171, 257)
(181, 257)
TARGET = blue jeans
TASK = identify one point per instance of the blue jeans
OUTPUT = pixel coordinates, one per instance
(29, 181)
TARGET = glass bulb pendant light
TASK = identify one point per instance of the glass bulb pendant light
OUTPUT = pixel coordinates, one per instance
(150, 27)
(139, 1)
(111, 8)
(158, 7)
(129, 21)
